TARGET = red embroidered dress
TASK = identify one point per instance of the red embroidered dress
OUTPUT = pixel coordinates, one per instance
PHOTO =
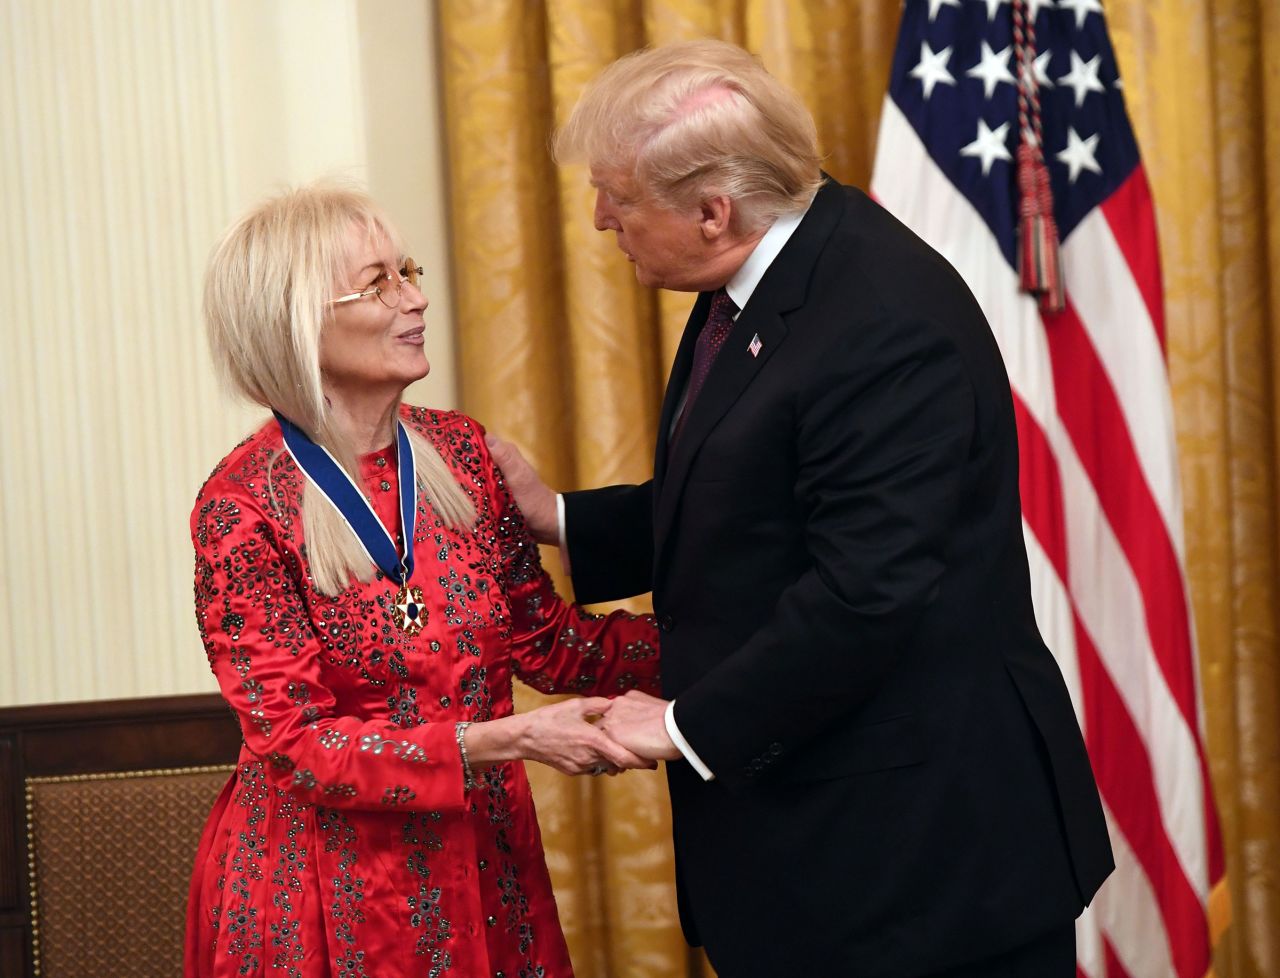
(344, 844)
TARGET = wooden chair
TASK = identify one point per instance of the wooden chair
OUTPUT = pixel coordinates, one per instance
(101, 807)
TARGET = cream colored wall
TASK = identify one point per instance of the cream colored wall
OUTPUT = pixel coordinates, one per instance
(132, 134)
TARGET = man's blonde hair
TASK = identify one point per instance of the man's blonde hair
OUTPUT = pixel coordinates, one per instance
(697, 119)
(266, 303)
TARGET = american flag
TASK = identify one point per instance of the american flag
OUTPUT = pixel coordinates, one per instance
(1102, 511)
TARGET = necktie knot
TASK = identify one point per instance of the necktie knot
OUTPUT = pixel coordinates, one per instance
(722, 308)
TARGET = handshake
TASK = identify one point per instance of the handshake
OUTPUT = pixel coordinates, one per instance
(598, 735)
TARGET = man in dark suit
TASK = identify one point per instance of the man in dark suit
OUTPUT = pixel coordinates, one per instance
(875, 768)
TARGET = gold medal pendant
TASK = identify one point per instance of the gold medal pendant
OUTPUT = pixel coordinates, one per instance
(408, 612)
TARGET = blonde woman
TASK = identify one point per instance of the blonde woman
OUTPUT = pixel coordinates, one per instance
(366, 589)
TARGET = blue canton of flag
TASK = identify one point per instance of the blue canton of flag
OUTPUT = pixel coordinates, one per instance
(955, 79)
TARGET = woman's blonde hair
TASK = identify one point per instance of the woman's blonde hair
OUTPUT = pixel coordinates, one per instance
(696, 119)
(266, 303)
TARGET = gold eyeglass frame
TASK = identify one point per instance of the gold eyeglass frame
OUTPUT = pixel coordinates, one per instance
(409, 272)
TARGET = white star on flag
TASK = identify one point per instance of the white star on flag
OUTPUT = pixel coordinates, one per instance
(1083, 76)
(1033, 8)
(936, 5)
(1079, 154)
(932, 68)
(992, 69)
(993, 7)
(989, 146)
(1082, 8)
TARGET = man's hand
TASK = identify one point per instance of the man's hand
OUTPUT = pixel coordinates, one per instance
(536, 501)
(560, 735)
(636, 721)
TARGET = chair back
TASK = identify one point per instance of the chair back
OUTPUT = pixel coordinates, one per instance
(101, 808)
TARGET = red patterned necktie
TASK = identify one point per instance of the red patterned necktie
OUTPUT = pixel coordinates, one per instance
(712, 336)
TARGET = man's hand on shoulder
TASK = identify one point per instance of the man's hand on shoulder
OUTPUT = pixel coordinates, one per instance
(536, 501)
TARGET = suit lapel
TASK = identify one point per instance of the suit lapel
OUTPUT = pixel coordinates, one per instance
(782, 289)
(732, 372)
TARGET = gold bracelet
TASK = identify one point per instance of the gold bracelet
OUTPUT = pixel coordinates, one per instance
(468, 778)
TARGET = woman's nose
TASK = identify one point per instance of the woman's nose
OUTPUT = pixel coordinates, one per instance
(413, 297)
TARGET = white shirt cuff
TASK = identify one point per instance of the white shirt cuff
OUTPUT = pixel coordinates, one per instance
(564, 540)
(677, 738)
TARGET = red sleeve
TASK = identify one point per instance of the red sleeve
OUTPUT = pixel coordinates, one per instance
(556, 646)
(267, 658)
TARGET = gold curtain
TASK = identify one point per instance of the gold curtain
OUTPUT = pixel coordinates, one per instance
(563, 352)
(1204, 96)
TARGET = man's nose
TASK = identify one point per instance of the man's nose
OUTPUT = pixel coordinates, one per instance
(604, 219)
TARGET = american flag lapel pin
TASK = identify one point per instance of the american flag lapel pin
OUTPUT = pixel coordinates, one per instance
(755, 345)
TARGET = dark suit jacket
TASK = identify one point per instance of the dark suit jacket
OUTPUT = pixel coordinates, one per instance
(835, 550)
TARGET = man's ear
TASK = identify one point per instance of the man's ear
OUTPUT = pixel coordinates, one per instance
(715, 216)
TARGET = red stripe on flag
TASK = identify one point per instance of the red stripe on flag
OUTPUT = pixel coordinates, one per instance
(1128, 212)
(1121, 762)
(1094, 421)
(1091, 414)
(1123, 769)
(1114, 968)
(1040, 488)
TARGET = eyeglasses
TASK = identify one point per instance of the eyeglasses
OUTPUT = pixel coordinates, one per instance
(388, 294)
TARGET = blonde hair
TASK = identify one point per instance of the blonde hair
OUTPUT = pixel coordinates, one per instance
(266, 297)
(697, 119)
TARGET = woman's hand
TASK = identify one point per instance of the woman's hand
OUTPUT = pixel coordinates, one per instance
(560, 735)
